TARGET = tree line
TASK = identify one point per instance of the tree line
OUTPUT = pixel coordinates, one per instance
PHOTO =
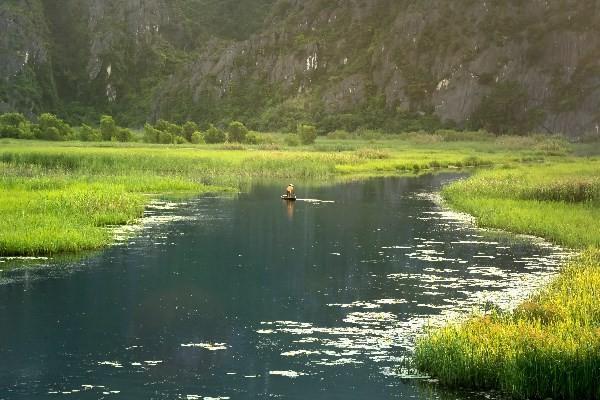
(50, 127)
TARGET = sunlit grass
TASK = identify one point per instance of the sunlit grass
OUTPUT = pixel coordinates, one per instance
(59, 196)
(550, 345)
(548, 348)
(560, 202)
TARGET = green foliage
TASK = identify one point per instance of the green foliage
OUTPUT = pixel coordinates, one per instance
(50, 127)
(307, 134)
(237, 132)
(214, 135)
(197, 138)
(165, 137)
(252, 138)
(292, 140)
(123, 135)
(89, 134)
(505, 110)
(15, 125)
(108, 127)
(151, 134)
(188, 130)
(169, 127)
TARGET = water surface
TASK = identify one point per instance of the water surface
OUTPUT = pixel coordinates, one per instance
(253, 298)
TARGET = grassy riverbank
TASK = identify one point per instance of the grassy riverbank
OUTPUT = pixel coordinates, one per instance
(60, 196)
(550, 345)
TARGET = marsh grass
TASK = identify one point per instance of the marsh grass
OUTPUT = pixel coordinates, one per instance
(60, 196)
(560, 202)
(549, 347)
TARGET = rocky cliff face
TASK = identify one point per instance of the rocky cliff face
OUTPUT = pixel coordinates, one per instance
(504, 66)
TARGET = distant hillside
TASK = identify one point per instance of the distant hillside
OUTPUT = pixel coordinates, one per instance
(505, 66)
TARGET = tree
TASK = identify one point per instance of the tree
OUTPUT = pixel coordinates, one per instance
(108, 127)
(53, 128)
(197, 138)
(89, 134)
(168, 127)
(307, 133)
(237, 132)
(123, 135)
(150, 134)
(214, 135)
(505, 110)
(188, 130)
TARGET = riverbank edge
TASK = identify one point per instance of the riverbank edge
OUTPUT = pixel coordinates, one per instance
(542, 349)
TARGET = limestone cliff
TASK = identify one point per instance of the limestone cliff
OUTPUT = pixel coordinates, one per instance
(395, 64)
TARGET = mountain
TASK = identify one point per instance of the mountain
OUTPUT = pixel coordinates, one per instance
(506, 66)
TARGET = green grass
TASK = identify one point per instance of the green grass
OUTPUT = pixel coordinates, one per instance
(60, 196)
(548, 348)
(550, 345)
(560, 202)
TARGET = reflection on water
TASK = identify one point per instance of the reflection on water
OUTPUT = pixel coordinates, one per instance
(258, 298)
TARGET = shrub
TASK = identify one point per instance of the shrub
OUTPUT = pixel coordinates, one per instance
(14, 125)
(89, 134)
(307, 134)
(123, 135)
(25, 131)
(165, 137)
(189, 128)
(237, 132)
(53, 128)
(179, 140)
(12, 119)
(108, 127)
(252, 138)
(369, 134)
(292, 140)
(214, 135)
(197, 138)
(165, 126)
(151, 134)
(339, 135)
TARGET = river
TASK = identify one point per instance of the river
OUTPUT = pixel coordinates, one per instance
(249, 297)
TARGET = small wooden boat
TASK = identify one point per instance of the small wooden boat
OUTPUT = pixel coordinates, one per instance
(288, 198)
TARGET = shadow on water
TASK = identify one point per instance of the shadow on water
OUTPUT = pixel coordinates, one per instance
(253, 297)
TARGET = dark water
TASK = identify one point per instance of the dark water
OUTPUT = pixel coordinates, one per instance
(249, 298)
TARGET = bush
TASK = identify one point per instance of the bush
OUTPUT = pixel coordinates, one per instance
(8, 131)
(123, 135)
(340, 134)
(292, 140)
(12, 119)
(189, 128)
(165, 137)
(179, 140)
(14, 125)
(151, 134)
(25, 131)
(53, 128)
(369, 134)
(307, 134)
(108, 127)
(168, 127)
(89, 134)
(197, 138)
(252, 138)
(237, 132)
(214, 135)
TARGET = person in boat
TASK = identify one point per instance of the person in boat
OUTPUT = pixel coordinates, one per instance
(289, 191)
